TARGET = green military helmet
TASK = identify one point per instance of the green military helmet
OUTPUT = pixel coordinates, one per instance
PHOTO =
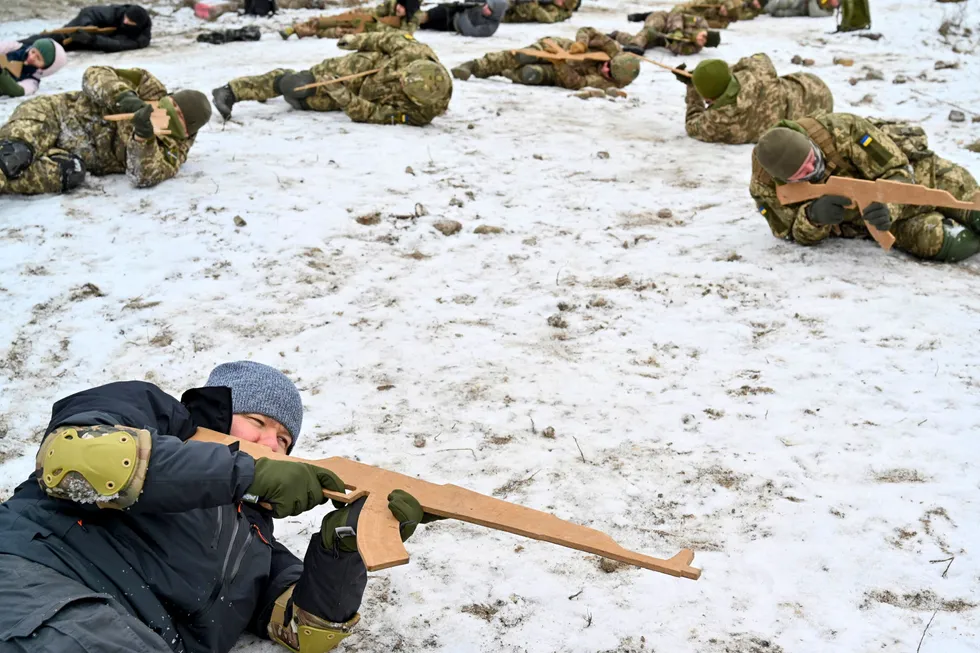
(782, 151)
(426, 82)
(624, 68)
(711, 78)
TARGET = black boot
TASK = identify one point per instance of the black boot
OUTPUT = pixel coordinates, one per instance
(224, 99)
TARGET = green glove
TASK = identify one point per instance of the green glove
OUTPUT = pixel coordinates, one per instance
(292, 488)
(828, 209)
(406, 510)
(878, 216)
(128, 102)
(142, 125)
(402, 505)
(9, 85)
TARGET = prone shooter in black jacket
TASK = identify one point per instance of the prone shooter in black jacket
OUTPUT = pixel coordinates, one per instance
(131, 22)
(127, 537)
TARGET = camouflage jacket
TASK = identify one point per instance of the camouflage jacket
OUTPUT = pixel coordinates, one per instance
(866, 153)
(755, 100)
(387, 8)
(577, 75)
(535, 12)
(379, 98)
(680, 29)
(110, 147)
(711, 11)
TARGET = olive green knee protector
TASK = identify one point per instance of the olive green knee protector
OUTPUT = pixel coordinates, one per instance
(302, 632)
(958, 245)
(105, 465)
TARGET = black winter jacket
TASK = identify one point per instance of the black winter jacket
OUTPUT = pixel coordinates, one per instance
(126, 37)
(188, 559)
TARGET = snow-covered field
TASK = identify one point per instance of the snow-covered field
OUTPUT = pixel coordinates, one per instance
(804, 419)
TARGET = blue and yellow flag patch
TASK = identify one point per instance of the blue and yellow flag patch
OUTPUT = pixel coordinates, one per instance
(865, 140)
(878, 152)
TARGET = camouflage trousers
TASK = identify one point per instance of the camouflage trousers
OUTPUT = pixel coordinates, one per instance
(645, 36)
(265, 87)
(36, 123)
(920, 229)
(505, 64)
(316, 27)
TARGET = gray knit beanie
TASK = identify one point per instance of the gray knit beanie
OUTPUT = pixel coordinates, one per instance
(258, 388)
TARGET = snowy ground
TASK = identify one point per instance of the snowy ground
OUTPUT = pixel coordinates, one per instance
(804, 419)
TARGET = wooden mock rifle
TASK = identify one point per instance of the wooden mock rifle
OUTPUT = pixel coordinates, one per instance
(558, 54)
(91, 29)
(337, 80)
(357, 20)
(159, 118)
(863, 192)
(378, 539)
(15, 68)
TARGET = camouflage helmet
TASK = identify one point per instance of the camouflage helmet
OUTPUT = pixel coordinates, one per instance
(426, 82)
(624, 68)
(782, 151)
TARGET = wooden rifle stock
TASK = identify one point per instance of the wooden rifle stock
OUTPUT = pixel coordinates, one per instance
(337, 80)
(160, 119)
(562, 55)
(378, 539)
(15, 68)
(864, 191)
(83, 28)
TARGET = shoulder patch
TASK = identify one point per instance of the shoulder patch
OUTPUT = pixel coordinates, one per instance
(763, 210)
(878, 152)
(409, 37)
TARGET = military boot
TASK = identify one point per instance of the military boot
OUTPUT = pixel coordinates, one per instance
(463, 71)
(72, 170)
(224, 99)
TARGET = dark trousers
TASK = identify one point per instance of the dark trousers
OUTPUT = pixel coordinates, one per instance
(441, 18)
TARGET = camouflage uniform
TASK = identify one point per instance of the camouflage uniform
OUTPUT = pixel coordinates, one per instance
(322, 27)
(71, 123)
(534, 12)
(867, 152)
(377, 98)
(756, 99)
(679, 28)
(573, 75)
(710, 10)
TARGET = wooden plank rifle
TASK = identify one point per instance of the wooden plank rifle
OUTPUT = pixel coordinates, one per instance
(337, 80)
(562, 55)
(863, 192)
(378, 539)
(15, 68)
(160, 119)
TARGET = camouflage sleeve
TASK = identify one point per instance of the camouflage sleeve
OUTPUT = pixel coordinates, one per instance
(386, 8)
(786, 222)
(758, 64)
(103, 85)
(361, 110)
(388, 42)
(596, 41)
(871, 151)
(154, 160)
(545, 13)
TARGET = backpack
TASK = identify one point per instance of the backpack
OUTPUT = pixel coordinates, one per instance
(853, 15)
(260, 7)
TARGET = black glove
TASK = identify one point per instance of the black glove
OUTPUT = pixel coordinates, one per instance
(638, 18)
(82, 38)
(635, 49)
(683, 79)
(142, 126)
(878, 216)
(828, 209)
(129, 102)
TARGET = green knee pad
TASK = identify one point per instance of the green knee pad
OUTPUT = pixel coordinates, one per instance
(532, 75)
(105, 465)
(958, 245)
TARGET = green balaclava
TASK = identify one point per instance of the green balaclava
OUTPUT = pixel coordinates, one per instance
(195, 107)
(711, 77)
(624, 68)
(46, 48)
(781, 151)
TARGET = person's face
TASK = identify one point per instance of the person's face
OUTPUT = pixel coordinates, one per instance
(756, 5)
(35, 58)
(400, 11)
(809, 165)
(723, 10)
(606, 70)
(261, 429)
(560, 3)
(701, 38)
(128, 22)
(486, 11)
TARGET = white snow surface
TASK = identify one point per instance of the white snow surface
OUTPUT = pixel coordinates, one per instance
(804, 419)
